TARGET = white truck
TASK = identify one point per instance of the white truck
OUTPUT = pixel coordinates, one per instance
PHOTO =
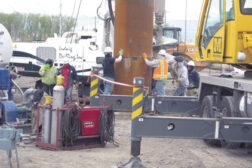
(80, 49)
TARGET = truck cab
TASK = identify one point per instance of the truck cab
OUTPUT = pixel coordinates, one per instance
(225, 33)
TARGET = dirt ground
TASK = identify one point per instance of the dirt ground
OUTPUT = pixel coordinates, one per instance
(155, 153)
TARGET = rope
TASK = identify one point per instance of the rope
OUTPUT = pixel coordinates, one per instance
(117, 83)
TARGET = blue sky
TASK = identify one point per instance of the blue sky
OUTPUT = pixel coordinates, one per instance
(175, 9)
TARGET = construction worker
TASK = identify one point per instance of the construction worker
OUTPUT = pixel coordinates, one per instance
(70, 79)
(194, 79)
(182, 77)
(48, 73)
(108, 68)
(160, 71)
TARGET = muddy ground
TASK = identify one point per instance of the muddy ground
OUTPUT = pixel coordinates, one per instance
(155, 153)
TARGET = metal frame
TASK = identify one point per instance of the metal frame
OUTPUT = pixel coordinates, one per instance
(159, 104)
(44, 145)
(161, 126)
(229, 129)
(185, 127)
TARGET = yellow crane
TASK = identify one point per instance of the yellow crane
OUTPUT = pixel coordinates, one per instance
(225, 33)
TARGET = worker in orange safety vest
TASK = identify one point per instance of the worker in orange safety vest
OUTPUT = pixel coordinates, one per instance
(160, 72)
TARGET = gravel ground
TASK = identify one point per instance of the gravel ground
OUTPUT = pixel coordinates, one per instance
(155, 152)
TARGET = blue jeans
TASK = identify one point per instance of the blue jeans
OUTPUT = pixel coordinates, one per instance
(108, 87)
(68, 94)
(160, 87)
(180, 91)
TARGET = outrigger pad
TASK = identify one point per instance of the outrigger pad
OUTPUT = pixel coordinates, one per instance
(134, 162)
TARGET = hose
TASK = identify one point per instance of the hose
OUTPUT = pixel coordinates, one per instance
(97, 12)
(111, 11)
(71, 126)
(106, 126)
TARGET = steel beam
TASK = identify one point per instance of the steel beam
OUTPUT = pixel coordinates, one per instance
(158, 104)
(229, 129)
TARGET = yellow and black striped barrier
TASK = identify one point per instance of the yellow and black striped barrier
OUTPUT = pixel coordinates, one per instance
(94, 84)
(137, 110)
(137, 100)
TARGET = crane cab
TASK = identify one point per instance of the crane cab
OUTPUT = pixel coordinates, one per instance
(225, 33)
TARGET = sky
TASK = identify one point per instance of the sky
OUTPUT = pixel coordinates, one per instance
(175, 9)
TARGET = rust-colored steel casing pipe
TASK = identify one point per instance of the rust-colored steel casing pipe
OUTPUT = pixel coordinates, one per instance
(133, 33)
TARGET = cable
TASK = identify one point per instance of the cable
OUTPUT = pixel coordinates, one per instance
(106, 126)
(97, 12)
(76, 19)
(73, 8)
(71, 126)
(185, 23)
(72, 14)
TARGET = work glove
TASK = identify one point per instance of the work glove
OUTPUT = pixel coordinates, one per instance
(195, 90)
(47, 66)
(144, 55)
(76, 85)
(121, 52)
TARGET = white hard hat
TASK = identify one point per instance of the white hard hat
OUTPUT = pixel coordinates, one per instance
(162, 52)
(190, 63)
(108, 50)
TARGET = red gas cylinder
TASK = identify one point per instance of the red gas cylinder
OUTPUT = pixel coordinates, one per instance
(89, 118)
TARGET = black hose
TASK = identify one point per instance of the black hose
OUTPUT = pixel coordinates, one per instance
(97, 12)
(111, 11)
(71, 127)
(106, 125)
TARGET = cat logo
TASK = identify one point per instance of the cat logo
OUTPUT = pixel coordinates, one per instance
(217, 45)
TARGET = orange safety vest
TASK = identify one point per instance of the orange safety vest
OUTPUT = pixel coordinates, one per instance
(161, 72)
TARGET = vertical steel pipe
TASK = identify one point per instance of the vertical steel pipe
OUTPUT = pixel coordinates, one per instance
(133, 33)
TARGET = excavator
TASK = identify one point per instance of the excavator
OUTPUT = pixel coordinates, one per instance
(187, 51)
(221, 113)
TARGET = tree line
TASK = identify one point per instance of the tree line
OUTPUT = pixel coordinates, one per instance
(34, 27)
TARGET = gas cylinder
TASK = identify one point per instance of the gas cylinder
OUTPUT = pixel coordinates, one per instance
(47, 115)
(58, 102)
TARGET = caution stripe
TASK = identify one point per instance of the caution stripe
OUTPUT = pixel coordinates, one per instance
(137, 113)
(94, 82)
(135, 90)
(94, 86)
(93, 92)
(137, 99)
(137, 102)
